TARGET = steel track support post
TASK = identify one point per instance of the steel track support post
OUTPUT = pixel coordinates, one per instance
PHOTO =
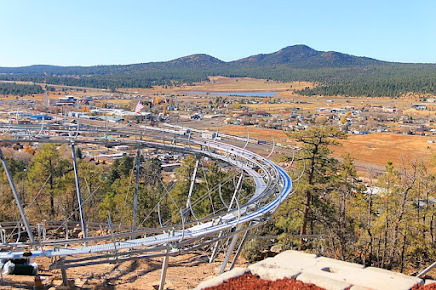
(191, 189)
(164, 271)
(109, 220)
(63, 273)
(39, 231)
(64, 277)
(2, 236)
(238, 186)
(234, 197)
(215, 248)
(238, 251)
(16, 197)
(229, 250)
(135, 197)
(66, 230)
(426, 270)
(79, 194)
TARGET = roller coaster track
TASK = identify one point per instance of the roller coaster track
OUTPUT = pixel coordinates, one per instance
(272, 186)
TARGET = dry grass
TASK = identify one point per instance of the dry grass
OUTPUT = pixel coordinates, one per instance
(224, 84)
(372, 150)
(413, 112)
(120, 102)
(312, 103)
(257, 133)
(380, 148)
(272, 108)
(377, 148)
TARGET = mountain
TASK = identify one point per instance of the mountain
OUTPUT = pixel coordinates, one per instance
(302, 56)
(335, 72)
(196, 60)
(296, 56)
(288, 55)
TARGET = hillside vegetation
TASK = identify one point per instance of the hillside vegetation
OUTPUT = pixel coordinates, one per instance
(335, 73)
(19, 90)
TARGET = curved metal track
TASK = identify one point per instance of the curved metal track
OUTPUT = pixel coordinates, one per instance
(272, 187)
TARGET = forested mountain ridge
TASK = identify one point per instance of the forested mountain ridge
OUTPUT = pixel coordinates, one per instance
(197, 60)
(297, 56)
(302, 56)
(335, 73)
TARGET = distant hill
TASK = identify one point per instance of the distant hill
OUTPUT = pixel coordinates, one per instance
(302, 56)
(335, 72)
(202, 60)
(297, 56)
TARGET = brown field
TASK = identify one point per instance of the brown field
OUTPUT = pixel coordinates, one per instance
(413, 112)
(273, 108)
(224, 84)
(257, 133)
(312, 103)
(379, 148)
(119, 101)
(367, 150)
(156, 90)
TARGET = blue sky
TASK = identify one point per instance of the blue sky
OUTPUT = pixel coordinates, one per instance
(96, 32)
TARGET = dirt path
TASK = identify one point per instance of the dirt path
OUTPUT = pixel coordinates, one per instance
(184, 272)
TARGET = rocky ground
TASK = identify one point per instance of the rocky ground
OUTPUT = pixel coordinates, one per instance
(184, 272)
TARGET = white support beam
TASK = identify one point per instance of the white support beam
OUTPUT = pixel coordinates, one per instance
(191, 190)
(234, 197)
(135, 197)
(238, 251)
(164, 271)
(426, 270)
(79, 194)
(235, 193)
(230, 249)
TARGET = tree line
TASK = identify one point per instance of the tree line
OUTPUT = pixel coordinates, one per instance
(388, 222)
(382, 79)
(46, 184)
(19, 89)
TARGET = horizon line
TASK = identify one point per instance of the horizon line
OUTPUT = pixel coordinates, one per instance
(203, 53)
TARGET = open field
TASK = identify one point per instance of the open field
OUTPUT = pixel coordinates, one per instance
(379, 148)
(225, 84)
(257, 133)
(414, 112)
(216, 84)
(367, 150)
(312, 103)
